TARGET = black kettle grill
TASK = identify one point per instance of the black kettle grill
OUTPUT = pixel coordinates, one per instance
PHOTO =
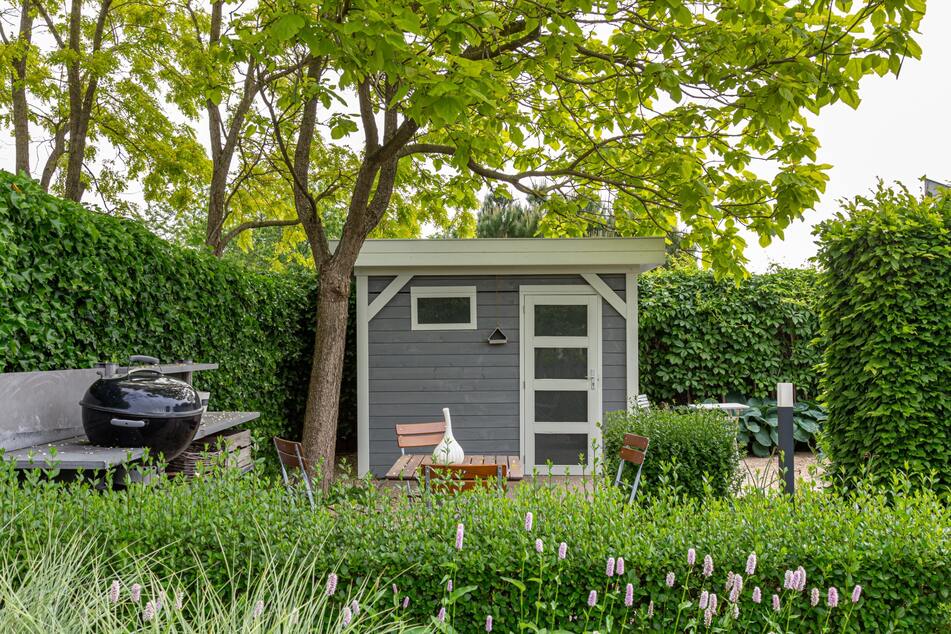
(141, 407)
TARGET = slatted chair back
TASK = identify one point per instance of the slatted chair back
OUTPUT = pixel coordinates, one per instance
(642, 403)
(294, 467)
(463, 477)
(412, 435)
(633, 450)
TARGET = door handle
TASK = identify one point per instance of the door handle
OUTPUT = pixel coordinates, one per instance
(592, 379)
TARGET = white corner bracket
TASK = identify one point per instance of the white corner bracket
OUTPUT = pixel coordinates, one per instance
(387, 294)
(594, 281)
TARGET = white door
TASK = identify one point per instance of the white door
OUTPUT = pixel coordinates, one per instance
(561, 370)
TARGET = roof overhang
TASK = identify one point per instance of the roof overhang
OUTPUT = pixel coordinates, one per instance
(555, 255)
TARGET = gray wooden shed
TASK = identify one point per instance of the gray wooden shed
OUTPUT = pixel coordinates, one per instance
(564, 354)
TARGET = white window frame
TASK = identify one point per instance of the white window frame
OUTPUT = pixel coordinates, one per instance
(443, 291)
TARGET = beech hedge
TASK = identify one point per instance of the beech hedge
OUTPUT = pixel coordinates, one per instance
(79, 287)
(896, 544)
(886, 329)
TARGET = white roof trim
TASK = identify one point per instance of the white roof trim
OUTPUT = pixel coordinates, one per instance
(380, 256)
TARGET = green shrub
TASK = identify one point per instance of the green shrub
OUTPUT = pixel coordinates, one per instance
(79, 287)
(694, 445)
(886, 330)
(759, 425)
(701, 338)
(896, 545)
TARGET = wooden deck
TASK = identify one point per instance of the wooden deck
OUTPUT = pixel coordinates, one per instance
(77, 453)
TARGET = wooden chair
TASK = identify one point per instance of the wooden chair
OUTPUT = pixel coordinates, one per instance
(463, 477)
(294, 468)
(414, 435)
(634, 450)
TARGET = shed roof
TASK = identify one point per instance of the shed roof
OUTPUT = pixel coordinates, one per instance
(601, 255)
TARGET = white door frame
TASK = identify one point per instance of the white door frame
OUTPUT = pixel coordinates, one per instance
(526, 395)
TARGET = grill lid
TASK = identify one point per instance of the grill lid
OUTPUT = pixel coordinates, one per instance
(143, 392)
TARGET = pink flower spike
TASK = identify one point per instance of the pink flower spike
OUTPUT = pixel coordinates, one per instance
(395, 589)
(179, 600)
(258, 609)
(609, 569)
(331, 584)
(619, 568)
(650, 610)
(670, 579)
(405, 602)
(114, 591)
(449, 586)
(707, 617)
(729, 581)
(712, 602)
(441, 617)
(528, 521)
(800, 579)
(832, 599)
(751, 564)
(592, 598)
(149, 612)
(856, 594)
(707, 565)
(629, 595)
(355, 607)
(704, 599)
(460, 533)
(135, 592)
(562, 550)
(736, 611)
(814, 597)
(776, 604)
(539, 546)
(488, 623)
(347, 616)
(757, 595)
(787, 580)
(691, 557)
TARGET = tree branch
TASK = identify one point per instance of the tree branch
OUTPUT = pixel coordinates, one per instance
(255, 224)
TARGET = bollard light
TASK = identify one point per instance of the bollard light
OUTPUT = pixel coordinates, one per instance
(785, 397)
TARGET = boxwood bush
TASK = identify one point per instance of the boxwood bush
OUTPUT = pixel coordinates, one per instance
(896, 545)
(886, 328)
(693, 446)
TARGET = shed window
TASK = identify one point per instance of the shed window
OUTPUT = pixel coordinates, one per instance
(443, 307)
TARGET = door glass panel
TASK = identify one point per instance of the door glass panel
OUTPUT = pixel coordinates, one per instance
(564, 449)
(443, 310)
(561, 406)
(554, 320)
(561, 363)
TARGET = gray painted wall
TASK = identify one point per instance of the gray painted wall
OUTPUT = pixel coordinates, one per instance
(414, 374)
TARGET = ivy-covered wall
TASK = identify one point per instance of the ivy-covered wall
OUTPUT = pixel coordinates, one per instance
(703, 338)
(78, 287)
(886, 328)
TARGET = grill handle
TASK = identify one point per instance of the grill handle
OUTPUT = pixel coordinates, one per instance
(143, 358)
(125, 422)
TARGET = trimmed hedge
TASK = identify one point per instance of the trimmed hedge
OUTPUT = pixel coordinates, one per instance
(703, 338)
(896, 545)
(79, 287)
(693, 446)
(886, 328)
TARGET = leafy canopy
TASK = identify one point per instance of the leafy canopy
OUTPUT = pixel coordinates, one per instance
(676, 109)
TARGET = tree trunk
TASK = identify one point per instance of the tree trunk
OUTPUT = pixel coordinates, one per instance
(216, 206)
(323, 399)
(21, 110)
(77, 137)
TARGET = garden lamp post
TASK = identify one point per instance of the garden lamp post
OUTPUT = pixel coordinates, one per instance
(785, 395)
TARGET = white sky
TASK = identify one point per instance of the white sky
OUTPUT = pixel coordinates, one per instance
(900, 132)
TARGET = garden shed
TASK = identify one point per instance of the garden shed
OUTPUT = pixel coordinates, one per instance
(528, 342)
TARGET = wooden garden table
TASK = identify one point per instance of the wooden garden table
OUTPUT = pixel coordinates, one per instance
(406, 467)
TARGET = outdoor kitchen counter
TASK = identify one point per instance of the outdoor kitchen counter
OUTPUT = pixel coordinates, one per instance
(77, 453)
